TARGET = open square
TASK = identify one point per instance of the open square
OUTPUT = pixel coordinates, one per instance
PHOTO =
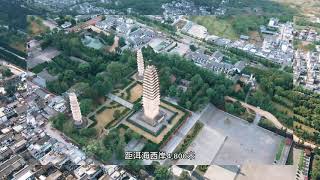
(232, 141)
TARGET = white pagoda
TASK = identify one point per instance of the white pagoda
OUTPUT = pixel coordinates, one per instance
(75, 109)
(151, 95)
(140, 63)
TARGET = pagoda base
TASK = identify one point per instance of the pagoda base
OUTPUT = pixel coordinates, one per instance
(80, 125)
(140, 120)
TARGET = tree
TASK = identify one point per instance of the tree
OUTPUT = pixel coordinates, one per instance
(162, 172)
(193, 48)
(122, 41)
(116, 114)
(10, 90)
(58, 121)
(69, 76)
(172, 91)
(116, 71)
(316, 168)
(7, 73)
(120, 149)
(86, 106)
(230, 108)
(101, 88)
(88, 132)
(137, 106)
(188, 104)
(184, 176)
(84, 68)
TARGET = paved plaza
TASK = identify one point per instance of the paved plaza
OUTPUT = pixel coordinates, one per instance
(244, 142)
(206, 145)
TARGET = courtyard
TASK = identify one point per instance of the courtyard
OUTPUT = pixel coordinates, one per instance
(106, 116)
(169, 126)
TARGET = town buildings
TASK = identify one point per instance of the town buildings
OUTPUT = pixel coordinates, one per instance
(306, 69)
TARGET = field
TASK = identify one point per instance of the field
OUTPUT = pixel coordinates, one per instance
(304, 127)
(36, 26)
(218, 27)
(309, 8)
(230, 27)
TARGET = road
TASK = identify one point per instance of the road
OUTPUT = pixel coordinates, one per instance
(50, 131)
(14, 69)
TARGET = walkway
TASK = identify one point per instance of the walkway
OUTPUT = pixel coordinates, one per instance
(98, 109)
(120, 101)
(175, 140)
(22, 58)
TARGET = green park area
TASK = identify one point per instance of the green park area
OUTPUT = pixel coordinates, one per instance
(295, 107)
(216, 26)
(103, 73)
(108, 148)
(35, 26)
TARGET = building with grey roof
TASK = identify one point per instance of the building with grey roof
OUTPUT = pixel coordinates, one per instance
(43, 78)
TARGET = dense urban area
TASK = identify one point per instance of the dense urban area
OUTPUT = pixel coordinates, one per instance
(195, 89)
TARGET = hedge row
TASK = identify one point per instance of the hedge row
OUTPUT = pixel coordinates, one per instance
(93, 118)
(147, 130)
(174, 128)
(122, 114)
(267, 125)
(189, 138)
(6, 46)
(13, 59)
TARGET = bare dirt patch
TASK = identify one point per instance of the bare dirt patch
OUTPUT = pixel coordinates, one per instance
(135, 93)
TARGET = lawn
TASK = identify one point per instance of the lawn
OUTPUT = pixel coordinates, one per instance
(215, 26)
(280, 150)
(105, 117)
